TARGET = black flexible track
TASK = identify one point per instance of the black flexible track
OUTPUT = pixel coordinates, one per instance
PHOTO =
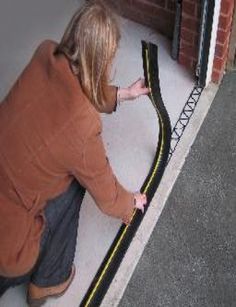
(112, 260)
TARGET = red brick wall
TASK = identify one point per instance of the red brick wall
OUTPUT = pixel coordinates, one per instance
(190, 32)
(157, 14)
(223, 36)
(160, 15)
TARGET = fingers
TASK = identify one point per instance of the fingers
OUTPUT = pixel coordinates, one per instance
(141, 201)
(145, 91)
(139, 83)
(145, 198)
(141, 91)
(137, 89)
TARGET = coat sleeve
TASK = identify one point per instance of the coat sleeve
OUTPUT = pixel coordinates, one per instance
(95, 174)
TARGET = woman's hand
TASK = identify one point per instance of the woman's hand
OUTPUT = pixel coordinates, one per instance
(134, 91)
(140, 200)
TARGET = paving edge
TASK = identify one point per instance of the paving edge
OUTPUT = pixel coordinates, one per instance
(135, 251)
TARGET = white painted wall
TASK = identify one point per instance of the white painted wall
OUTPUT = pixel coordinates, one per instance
(213, 41)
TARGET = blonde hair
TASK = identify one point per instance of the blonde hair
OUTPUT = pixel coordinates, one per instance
(90, 42)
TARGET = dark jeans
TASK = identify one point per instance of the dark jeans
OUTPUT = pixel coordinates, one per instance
(58, 241)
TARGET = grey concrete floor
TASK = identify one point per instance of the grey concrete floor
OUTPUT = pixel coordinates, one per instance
(190, 259)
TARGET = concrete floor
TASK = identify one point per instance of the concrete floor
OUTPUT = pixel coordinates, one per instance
(129, 135)
(190, 258)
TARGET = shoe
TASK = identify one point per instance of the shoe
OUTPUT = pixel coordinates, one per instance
(37, 296)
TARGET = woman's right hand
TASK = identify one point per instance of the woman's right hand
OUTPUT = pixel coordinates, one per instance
(140, 200)
(134, 91)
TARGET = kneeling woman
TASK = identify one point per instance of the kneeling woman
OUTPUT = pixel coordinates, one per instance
(52, 151)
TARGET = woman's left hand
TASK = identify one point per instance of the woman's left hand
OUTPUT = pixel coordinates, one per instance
(134, 91)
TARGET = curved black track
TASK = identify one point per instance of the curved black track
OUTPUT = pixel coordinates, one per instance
(112, 260)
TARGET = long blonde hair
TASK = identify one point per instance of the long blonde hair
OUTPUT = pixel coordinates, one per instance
(90, 42)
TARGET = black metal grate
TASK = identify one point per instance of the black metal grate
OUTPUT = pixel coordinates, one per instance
(184, 118)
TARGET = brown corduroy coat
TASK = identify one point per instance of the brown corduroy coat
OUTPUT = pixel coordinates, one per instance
(49, 134)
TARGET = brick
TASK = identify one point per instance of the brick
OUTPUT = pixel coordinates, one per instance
(190, 23)
(188, 50)
(193, 1)
(189, 8)
(161, 3)
(124, 2)
(121, 5)
(222, 36)
(171, 5)
(196, 40)
(147, 7)
(216, 76)
(164, 26)
(189, 63)
(219, 63)
(198, 11)
(187, 36)
(227, 7)
(132, 14)
(190, 30)
(225, 22)
(185, 61)
(221, 50)
(154, 10)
